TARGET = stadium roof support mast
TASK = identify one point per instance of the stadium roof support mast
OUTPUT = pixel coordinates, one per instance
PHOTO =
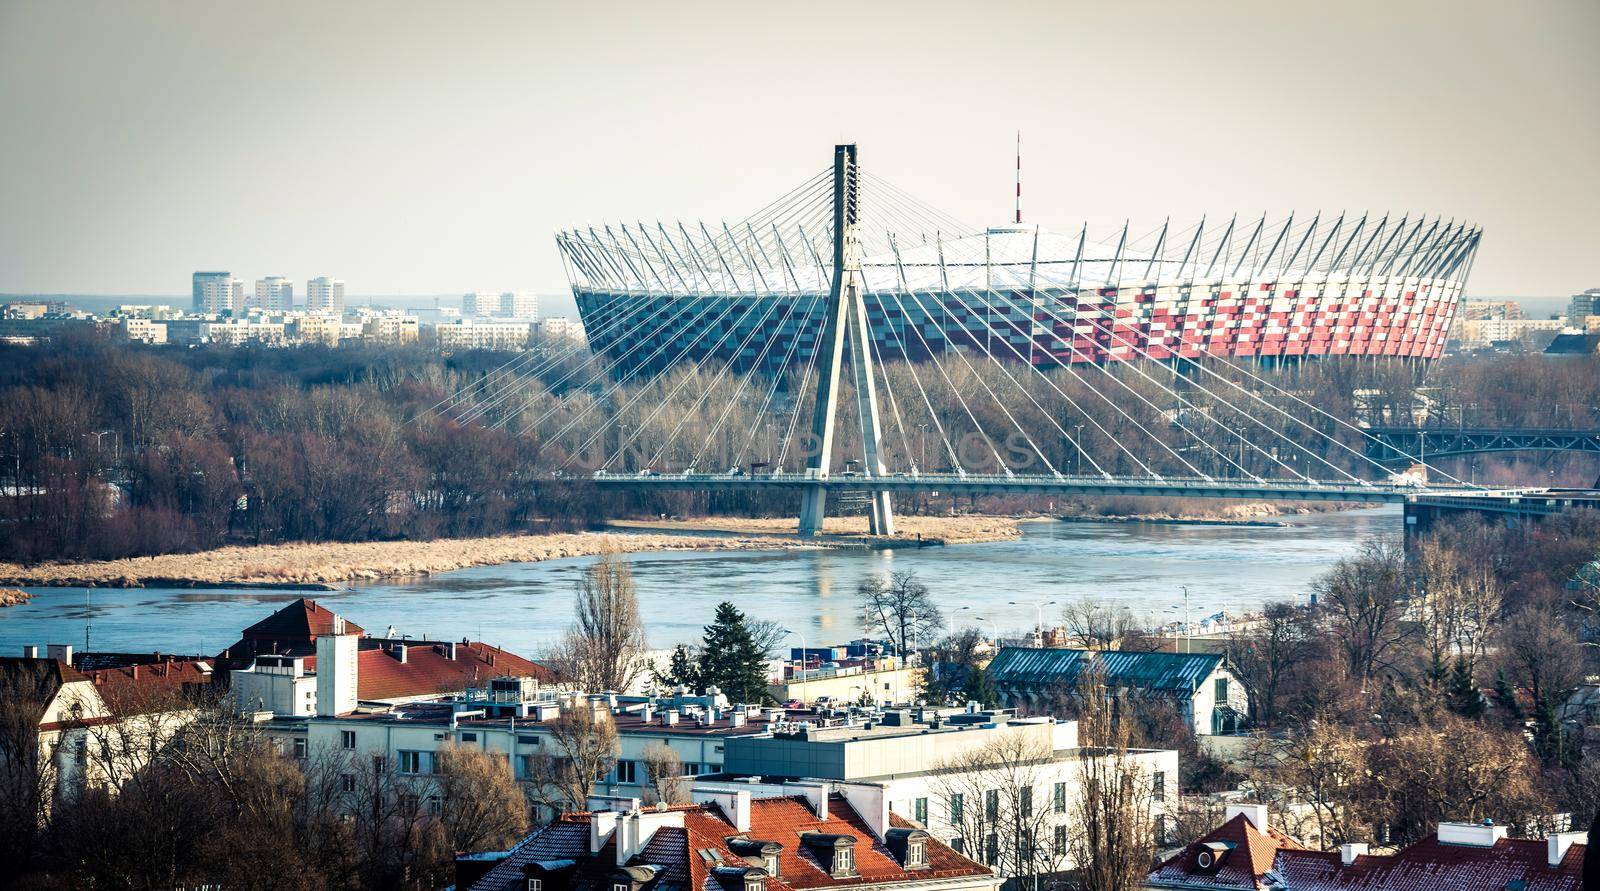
(846, 318)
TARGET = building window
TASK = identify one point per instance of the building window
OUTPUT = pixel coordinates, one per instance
(379, 764)
(299, 747)
(1060, 798)
(916, 854)
(844, 861)
(1161, 829)
(752, 882)
(347, 782)
(991, 805)
(619, 887)
(627, 771)
(959, 845)
(527, 739)
(536, 885)
(469, 737)
(920, 808)
(1222, 691)
(1061, 841)
(347, 739)
(1158, 784)
(991, 849)
(956, 801)
(411, 762)
(1025, 801)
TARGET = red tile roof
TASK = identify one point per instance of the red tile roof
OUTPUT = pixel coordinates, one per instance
(160, 686)
(1428, 865)
(706, 828)
(290, 631)
(381, 675)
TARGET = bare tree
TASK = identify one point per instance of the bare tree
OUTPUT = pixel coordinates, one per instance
(1323, 765)
(995, 799)
(585, 744)
(1113, 847)
(1092, 625)
(479, 802)
(1264, 657)
(901, 607)
(1362, 600)
(27, 765)
(604, 649)
(664, 769)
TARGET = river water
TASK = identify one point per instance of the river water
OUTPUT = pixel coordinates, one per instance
(524, 606)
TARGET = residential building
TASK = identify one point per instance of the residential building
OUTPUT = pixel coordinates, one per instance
(1487, 331)
(392, 327)
(321, 328)
(237, 332)
(1473, 310)
(477, 334)
(274, 294)
(844, 680)
(325, 295)
(479, 303)
(1199, 684)
(1582, 306)
(214, 293)
(934, 766)
(728, 841)
(1246, 854)
(142, 330)
(519, 305)
(561, 327)
(275, 666)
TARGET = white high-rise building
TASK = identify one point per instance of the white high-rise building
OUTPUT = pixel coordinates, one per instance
(325, 295)
(236, 297)
(274, 294)
(213, 291)
(519, 305)
(479, 303)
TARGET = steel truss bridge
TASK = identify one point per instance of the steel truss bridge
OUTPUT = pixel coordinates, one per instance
(1214, 429)
(1395, 445)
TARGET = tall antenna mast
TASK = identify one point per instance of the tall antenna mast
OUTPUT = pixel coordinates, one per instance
(1019, 176)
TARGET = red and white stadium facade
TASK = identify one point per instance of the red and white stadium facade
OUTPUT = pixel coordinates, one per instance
(1370, 286)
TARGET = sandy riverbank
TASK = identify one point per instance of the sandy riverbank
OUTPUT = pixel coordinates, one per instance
(836, 530)
(322, 565)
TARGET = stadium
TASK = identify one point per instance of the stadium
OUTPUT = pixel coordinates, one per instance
(754, 293)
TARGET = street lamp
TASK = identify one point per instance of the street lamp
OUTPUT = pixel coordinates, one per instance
(1039, 605)
(802, 660)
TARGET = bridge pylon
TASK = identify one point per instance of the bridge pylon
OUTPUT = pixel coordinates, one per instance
(845, 322)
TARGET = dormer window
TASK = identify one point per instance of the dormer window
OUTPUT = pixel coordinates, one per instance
(844, 861)
(536, 885)
(769, 862)
(619, 887)
(916, 854)
(752, 882)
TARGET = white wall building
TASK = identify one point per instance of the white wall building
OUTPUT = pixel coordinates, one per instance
(214, 292)
(477, 334)
(274, 294)
(561, 327)
(519, 305)
(325, 295)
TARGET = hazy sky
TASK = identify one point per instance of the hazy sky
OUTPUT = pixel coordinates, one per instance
(434, 148)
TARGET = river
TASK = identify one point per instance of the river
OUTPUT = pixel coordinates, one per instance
(523, 606)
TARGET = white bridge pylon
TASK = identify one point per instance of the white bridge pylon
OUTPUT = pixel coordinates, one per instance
(845, 320)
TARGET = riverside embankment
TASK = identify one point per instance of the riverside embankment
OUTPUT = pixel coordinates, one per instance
(324, 565)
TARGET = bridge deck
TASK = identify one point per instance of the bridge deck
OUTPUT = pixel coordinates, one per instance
(1179, 487)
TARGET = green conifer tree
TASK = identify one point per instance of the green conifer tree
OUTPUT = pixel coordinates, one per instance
(730, 658)
(980, 688)
(681, 671)
(1465, 700)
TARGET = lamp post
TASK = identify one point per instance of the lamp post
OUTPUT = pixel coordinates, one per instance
(1077, 457)
(802, 674)
(1038, 605)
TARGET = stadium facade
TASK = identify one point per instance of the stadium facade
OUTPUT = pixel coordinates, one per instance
(754, 294)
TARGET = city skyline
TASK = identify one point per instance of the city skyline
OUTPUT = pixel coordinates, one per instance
(448, 148)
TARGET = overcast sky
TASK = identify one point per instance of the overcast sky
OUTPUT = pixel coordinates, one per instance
(434, 148)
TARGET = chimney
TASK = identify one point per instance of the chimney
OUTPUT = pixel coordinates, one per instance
(30, 652)
(1255, 813)
(734, 804)
(1559, 842)
(1349, 852)
(449, 649)
(60, 652)
(669, 717)
(134, 672)
(399, 653)
(601, 825)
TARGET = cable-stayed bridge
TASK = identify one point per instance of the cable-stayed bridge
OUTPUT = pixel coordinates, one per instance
(850, 339)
